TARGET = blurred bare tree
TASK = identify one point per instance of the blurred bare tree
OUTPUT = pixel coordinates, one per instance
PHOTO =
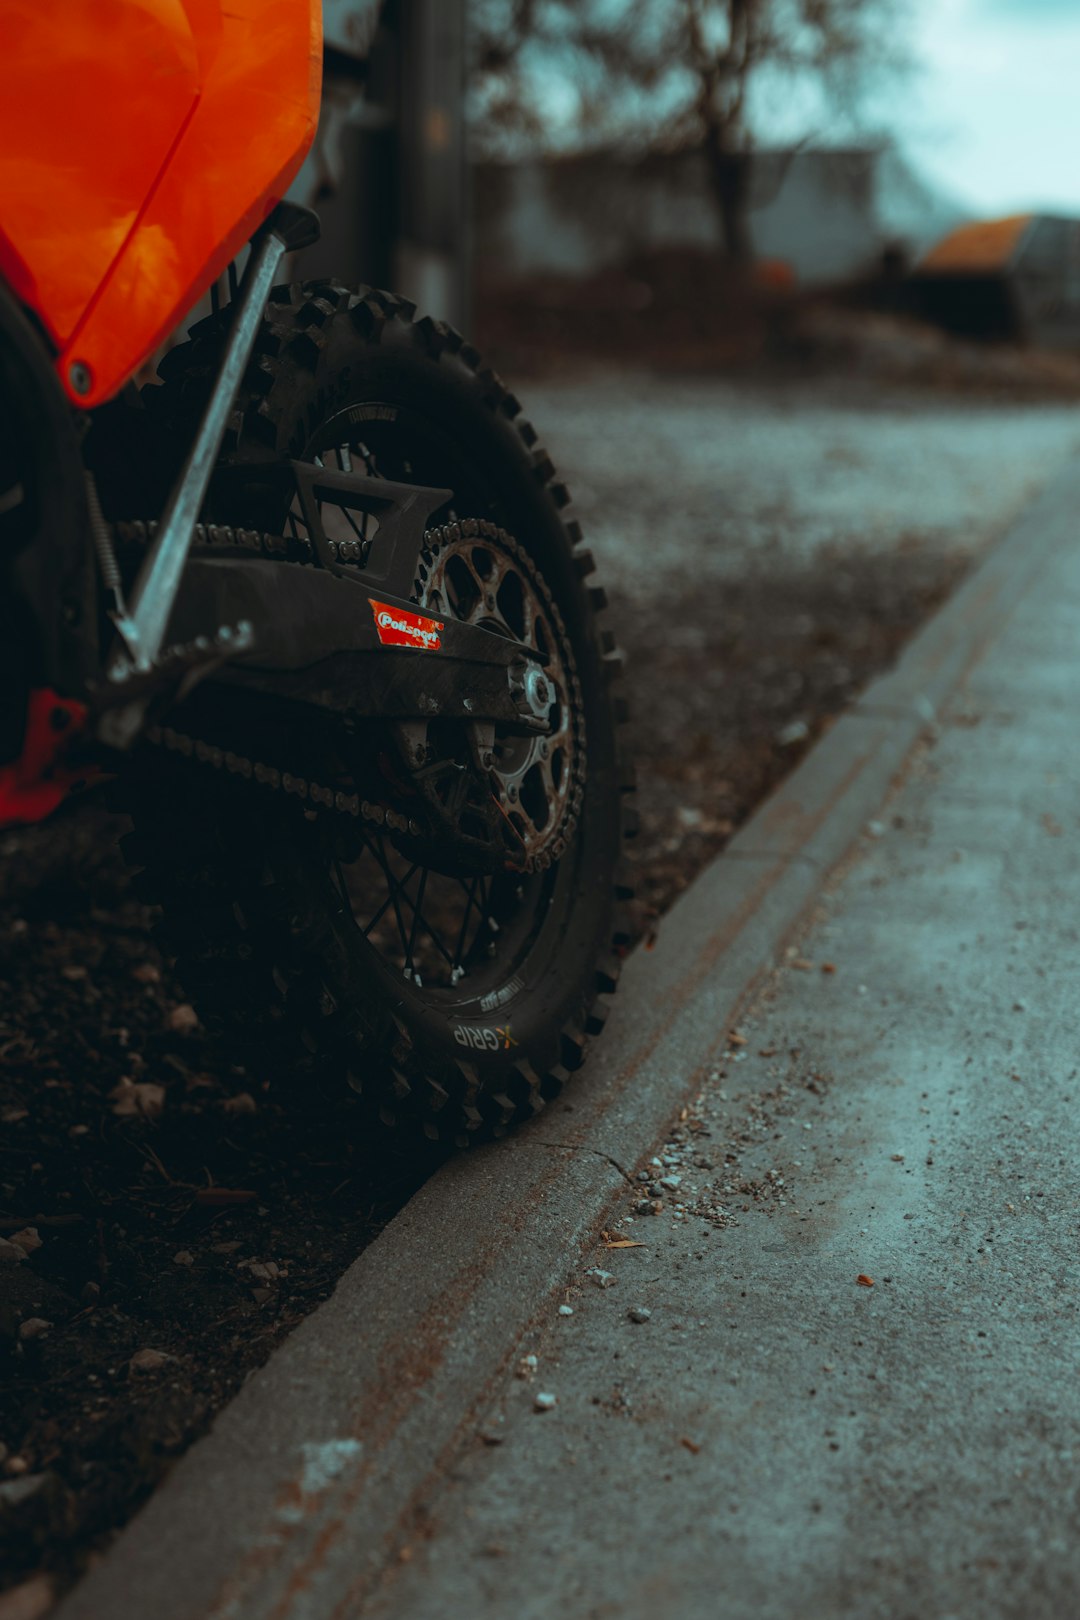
(673, 74)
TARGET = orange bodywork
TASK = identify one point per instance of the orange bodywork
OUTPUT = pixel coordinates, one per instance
(142, 142)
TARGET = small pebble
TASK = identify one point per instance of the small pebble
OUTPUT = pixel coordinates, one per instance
(183, 1020)
(543, 1403)
(639, 1313)
(148, 1360)
(183, 1257)
(33, 1328)
(242, 1103)
(32, 1600)
(566, 1310)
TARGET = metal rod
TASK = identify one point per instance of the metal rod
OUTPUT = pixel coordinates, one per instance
(155, 590)
(110, 568)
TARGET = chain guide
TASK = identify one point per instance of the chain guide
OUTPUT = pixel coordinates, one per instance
(536, 783)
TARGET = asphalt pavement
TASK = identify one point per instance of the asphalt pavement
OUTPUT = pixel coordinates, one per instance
(841, 1374)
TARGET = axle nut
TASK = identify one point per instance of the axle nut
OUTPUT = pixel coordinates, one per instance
(538, 695)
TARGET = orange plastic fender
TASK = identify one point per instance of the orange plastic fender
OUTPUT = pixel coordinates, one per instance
(141, 144)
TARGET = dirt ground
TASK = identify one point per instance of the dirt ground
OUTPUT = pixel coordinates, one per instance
(175, 1216)
(186, 1216)
(718, 720)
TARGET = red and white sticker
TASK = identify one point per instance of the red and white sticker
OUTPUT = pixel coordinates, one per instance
(397, 627)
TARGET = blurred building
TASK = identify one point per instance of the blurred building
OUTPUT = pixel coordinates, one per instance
(387, 172)
(1015, 278)
(829, 215)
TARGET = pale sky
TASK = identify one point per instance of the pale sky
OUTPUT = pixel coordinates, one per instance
(990, 114)
(993, 116)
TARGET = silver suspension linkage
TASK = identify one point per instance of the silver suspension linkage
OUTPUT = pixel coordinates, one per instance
(142, 630)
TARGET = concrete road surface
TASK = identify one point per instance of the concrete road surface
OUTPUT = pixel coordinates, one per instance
(692, 479)
(854, 1385)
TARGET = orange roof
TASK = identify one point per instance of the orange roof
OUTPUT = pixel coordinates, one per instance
(985, 245)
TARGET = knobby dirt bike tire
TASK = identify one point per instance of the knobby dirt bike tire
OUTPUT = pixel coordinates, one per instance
(247, 911)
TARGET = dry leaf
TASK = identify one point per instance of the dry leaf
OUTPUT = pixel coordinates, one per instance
(624, 1243)
(143, 1099)
(803, 964)
(735, 1039)
(864, 1281)
(28, 1239)
(146, 973)
(828, 967)
(691, 1445)
(183, 1020)
(221, 1197)
(265, 1270)
(33, 1600)
(148, 1360)
(242, 1103)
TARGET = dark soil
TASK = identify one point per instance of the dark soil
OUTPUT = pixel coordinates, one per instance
(150, 1221)
(728, 691)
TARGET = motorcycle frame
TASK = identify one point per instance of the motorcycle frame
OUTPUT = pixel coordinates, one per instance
(305, 632)
(188, 618)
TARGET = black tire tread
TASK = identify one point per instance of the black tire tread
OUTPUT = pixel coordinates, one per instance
(273, 965)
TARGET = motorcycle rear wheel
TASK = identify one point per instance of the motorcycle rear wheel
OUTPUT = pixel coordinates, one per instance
(259, 907)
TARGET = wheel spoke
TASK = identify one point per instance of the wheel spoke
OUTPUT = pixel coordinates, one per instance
(420, 922)
(470, 892)
(343, 888)
(377, 919)
(395, 888)
(418, 906)
(355, 527)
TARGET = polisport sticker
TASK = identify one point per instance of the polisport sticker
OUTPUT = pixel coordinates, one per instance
(397, 627)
